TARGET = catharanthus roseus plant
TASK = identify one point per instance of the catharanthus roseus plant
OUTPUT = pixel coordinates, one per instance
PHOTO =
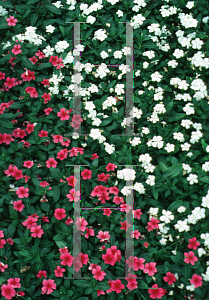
(104, 150)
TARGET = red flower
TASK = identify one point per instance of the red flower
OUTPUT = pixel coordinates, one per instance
(156, 293)
(86, 174)
(28, 164)
(60, 213)
(48, 286)
(152, 224)
(59, 271)
(170, 278)
(11, 21)
(2, 75)
(94, 156)
(18, 205)
(67, 259)
(10, 82)
(40, 54)
(64, 114)
(193, 243)
(41, 274)
(15, 282)
(190, 258)
(33, 60)
(37, 231)
(110, 167)
(16, 50)
(99, 275)
(48, 110)
(117, 286)
(150, 268)
(46, 97)
(43, 133)
(51, 163)
(8, 291)
(29, 128)
(196, 280)
(22, 192)
(28, 75)
(45, 82)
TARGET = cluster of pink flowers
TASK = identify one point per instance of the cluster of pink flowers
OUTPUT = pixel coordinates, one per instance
(112, 256)
(56, 62)
(8, 291)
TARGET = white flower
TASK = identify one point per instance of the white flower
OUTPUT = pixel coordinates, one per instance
(156, 76)
(100, 35)
(118, 54)
(145, 158)
(190, 4)
(178, 53)
(205, 19)
(95, 133)
(136, 141)
(182, 226)
(89, 105)
(201, 251)
(127, 190)
(96, 122)
(3, 11)
(192, 178)
(50, 28)
(178, 136)
(163, 241)
(90, 19)
(153, 211)
(150, 180)
(190, 287)
(197, 44)
(186, 123)
(109, 148)
(139, 188)
(172, 63)
(102, 71)
(148, 168)
(58, 4)
(129, 174)
(169, 147)
(48, 51)
(119, 13)
(126, 50)
(181, 209)
(145, 65)
(119, 89)
(205, 201)
(167, 216)
(104, 54)
(61, 46)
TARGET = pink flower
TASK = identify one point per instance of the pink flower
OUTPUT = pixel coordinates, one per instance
(8, 291)
(64, 114)
(156, 292)
(16, 50)
(81, 224)
(29, 128)
(18, 205)
(94, 156)
(103, 235)
(117, 286)
(22, 192)
(153, 224)
(196, 280)
(11, 21)
(51, 163)
(3, 267)
(59, 271)
(10, 240)
(109, 258)
(48, 286)
(110, 167)
(10, 82)
(193, 243)
(41, 274)
(190, 258)
(28, 164)
(99, 275)
(60, 213)
(74, 196)
(170, 278)
(100, 292)
(37, 231)
(15, 282)
(107, 212)
(86, 174)
(150, 268)
(67, 259)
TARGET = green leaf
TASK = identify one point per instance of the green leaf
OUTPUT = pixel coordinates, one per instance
(6, 123)
(45, 206)
(61, 244)
(178, 259)
(59, 237)
(162, 163)
(173, 171)
(102, 286)
(17, 104)
(7, 4)
(106, 121)
(55, 172)
(53, 8)
(26, 62)
(33, 18)
(55, 293)
(56, 195)
(142, 285)
(82, 283)
(2, 279)
(205, 179)
(44, 66)
(155, 193)
(175, 205)
(173, 116)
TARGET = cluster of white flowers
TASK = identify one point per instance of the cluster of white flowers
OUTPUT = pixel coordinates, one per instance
(137, 21)
(199, 60)
(206, 275)
(3, 11)
(205, 237)
(197, 214)
(182, 226)
(185, 97)
(88, 10)
(205, 201)
(30, 35)
(178, 83)
(109, 102)
(146, 159)
(153, 213)
(139, 4)
(156, 142)
(199, 86)
(95, 134)
(187, 20)
(139, 187)
(100, 34)
(55, 79)
(61, 46)
(150, 180)
(126, 174)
